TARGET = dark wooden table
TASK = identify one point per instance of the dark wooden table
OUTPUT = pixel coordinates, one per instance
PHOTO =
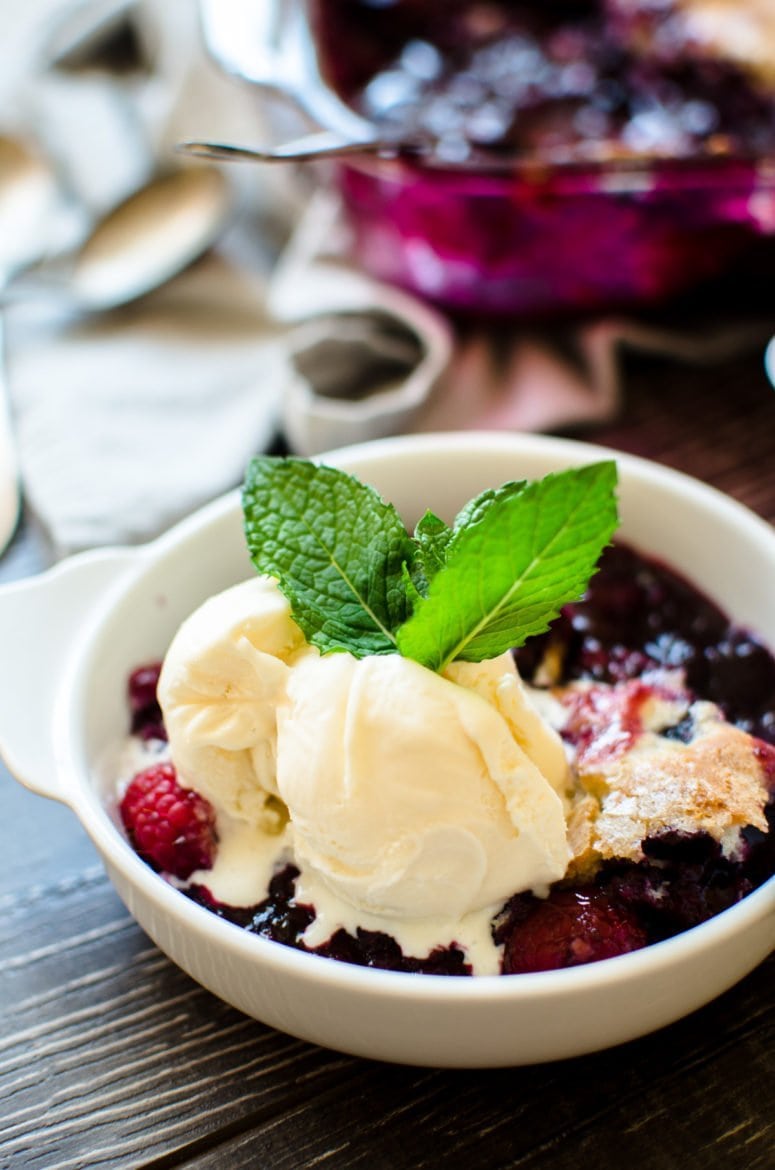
(111, 1057)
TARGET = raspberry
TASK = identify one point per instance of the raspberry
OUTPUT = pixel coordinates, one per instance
(765, 754)
(170, 827)
(603, 722)
(569, 928)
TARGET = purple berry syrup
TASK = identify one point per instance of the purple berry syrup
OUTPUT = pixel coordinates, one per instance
(147, 721)
(638, 613)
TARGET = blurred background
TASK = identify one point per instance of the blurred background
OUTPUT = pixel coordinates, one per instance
(478, 209)
(553, 216)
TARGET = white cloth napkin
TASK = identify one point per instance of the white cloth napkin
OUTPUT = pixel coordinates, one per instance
(129, 421)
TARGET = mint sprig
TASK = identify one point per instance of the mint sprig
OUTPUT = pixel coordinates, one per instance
(336, 548)
(516, 556)
(357, 581)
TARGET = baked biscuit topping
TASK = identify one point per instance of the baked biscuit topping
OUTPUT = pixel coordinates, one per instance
(649, 761)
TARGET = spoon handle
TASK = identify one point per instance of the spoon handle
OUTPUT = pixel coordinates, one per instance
(307, 149)
(10, 493)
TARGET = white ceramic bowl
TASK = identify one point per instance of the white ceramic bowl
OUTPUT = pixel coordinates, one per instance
(105, 612)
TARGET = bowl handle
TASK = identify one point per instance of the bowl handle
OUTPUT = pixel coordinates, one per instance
(34, 652)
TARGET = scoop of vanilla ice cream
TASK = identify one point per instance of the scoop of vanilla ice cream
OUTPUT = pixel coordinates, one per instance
(497, 680)
(409, 795)
(220, 684)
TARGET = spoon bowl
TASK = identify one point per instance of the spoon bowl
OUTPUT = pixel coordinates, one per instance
(142, 243)
(146, 240)
(150, 237)
(28, 192)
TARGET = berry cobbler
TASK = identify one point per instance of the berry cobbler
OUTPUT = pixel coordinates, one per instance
(565, 81)
(555, 157)
(604, 785)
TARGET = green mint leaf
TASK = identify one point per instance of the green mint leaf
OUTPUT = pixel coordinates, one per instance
(518, 555)
(416, 586)
(431, 536)
(471, 513)
(336, 548)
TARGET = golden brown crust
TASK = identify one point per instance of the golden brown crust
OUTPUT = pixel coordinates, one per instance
(585, 856)
(714, 784)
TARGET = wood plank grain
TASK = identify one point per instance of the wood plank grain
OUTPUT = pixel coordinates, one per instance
(110, 1056)
(716, 423)
(649, 1102)
(108, 1053)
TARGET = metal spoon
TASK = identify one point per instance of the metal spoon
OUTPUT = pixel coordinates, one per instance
(10, 492)
(145, 241)
(323, 144)
(28, 192)
(141, 244)
(269, 45)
